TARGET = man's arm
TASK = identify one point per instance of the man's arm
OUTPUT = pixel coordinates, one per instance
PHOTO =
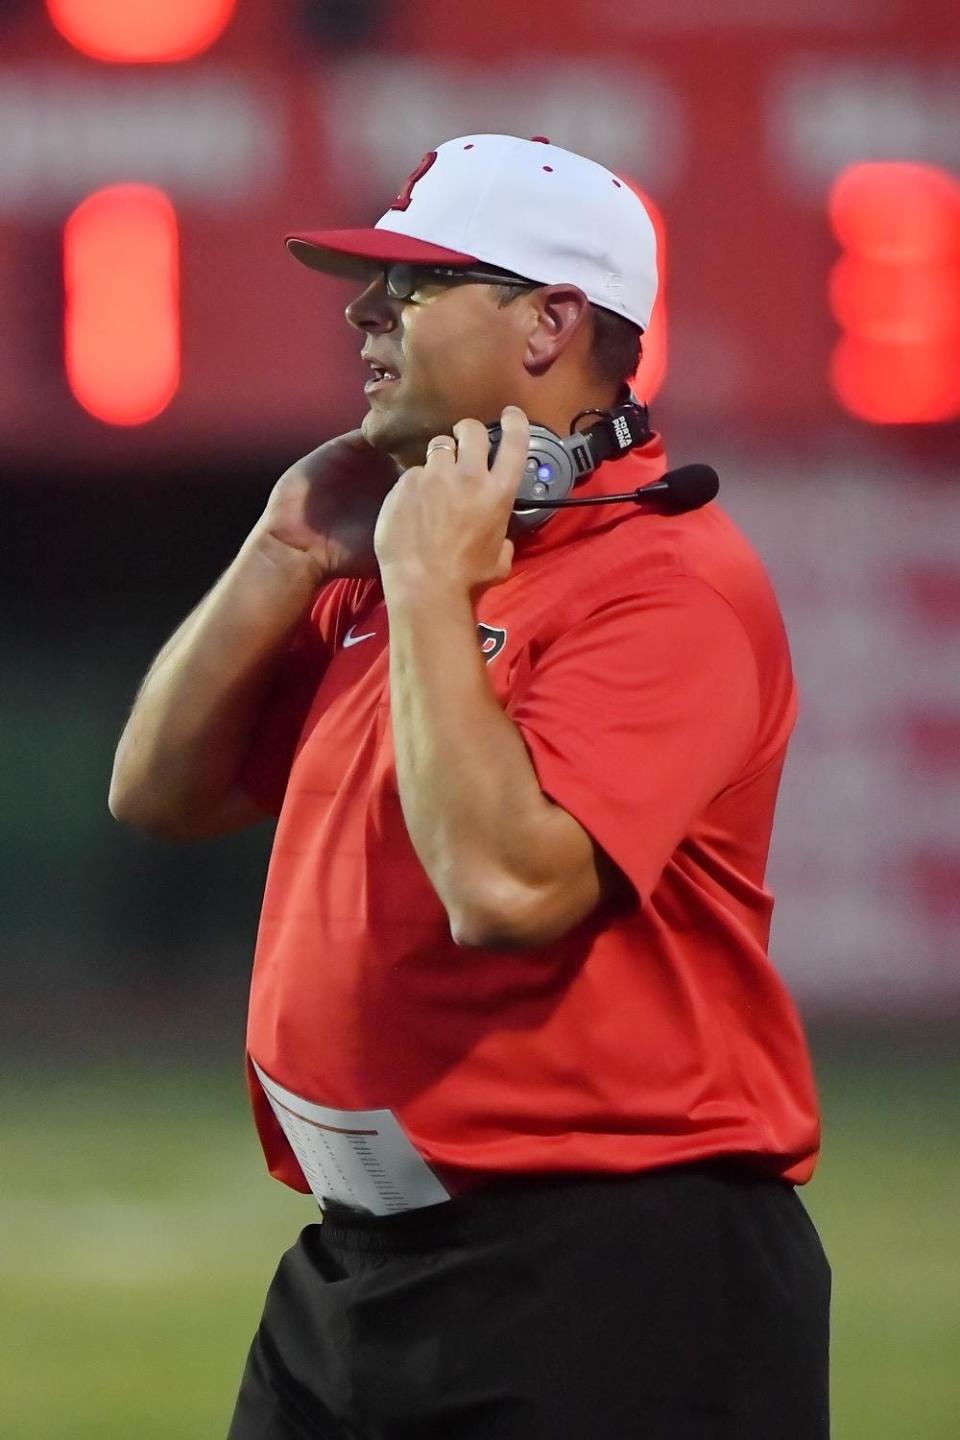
(188, 734)
(189, 729)
(511, 868)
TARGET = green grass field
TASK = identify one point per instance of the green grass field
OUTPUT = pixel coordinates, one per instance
(140, 1232)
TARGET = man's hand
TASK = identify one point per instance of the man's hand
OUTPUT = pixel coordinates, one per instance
(326, 506)
(447, 519)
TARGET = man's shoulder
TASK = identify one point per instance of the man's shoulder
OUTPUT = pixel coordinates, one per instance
(646, 550)
(712, 547)
(653, 557)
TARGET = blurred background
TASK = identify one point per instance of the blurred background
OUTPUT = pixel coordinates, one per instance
(162, 360)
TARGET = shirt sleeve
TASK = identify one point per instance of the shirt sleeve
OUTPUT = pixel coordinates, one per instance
(639, 715)
(264, 773)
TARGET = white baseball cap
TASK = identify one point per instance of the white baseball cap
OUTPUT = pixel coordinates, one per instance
(521, 205)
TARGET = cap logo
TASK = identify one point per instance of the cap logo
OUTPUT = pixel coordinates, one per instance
(402, 201)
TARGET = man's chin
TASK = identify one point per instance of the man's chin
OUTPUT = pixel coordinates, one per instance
(387, 433)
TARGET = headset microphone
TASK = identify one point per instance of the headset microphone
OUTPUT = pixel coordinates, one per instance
(687, 488)
(554, 464)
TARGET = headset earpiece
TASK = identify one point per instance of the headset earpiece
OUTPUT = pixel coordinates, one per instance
(554, 465)
(549, 473)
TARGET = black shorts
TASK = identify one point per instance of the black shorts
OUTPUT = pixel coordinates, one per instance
(677, 1304)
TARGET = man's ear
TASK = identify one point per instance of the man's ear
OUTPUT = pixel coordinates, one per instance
(556, 316)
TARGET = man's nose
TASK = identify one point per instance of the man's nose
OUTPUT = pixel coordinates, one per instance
(373, 308)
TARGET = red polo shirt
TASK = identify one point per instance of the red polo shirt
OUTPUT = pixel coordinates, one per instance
(644, 661)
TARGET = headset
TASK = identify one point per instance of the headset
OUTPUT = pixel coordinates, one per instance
(554, 464)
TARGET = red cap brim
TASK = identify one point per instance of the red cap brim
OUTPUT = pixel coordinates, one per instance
(352, 252)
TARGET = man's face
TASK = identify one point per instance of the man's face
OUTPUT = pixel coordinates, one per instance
(457, 354)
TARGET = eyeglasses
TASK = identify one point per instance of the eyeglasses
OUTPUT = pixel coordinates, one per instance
(403, 280)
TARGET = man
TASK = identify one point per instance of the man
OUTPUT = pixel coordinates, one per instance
(512, 1015)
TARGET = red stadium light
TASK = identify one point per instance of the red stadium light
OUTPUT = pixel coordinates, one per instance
(652, 369)
(141, 31)
(895, 293)
(122, 321)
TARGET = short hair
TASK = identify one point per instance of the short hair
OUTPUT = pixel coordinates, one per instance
(615, 344)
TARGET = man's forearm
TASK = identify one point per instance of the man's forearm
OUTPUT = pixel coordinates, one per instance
(472, 803)
(190, 722)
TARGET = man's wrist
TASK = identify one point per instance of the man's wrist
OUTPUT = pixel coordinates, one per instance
(408, 583)
(294, 566)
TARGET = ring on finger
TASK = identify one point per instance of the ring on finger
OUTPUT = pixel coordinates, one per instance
(441, 445)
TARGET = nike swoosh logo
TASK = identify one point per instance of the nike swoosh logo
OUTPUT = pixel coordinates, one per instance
(351, 639)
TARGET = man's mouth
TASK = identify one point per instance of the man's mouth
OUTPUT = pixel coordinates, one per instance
(382, 377)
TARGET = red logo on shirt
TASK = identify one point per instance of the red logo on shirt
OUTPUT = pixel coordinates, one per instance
(491, 640)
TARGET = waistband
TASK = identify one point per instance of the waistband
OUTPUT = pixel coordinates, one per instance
(518, 1201)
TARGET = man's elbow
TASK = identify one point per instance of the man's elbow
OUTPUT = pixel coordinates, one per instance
(473, 931)
(159, 821)
(146, 822)
(503, 918)
(122, 807)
